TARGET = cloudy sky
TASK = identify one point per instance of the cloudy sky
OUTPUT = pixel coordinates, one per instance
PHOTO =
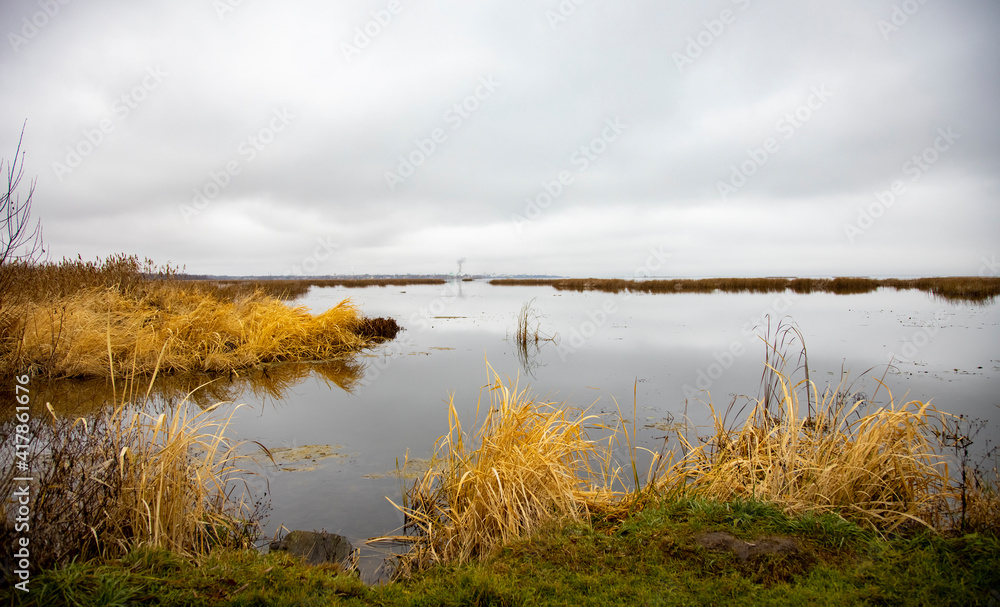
(572, 137)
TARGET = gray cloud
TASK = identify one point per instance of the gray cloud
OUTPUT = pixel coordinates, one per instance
(287, 119)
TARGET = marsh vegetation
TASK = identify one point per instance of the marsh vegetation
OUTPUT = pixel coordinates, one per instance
(125, 317)
(129, 477)
(530, 462)
(534, 483)
(528, 336)
(957, 288)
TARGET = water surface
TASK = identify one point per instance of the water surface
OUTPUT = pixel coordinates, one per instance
(671, 351)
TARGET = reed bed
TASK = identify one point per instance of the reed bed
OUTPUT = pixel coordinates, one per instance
(530, 462)
(956, 288)
(130, 477)
(70, 319)
(881, 468)
(194, 333)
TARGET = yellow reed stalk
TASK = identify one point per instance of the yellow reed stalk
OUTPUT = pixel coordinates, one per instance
(178, 330)
(529, 462)
(879, 468)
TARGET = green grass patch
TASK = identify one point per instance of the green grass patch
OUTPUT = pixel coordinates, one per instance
(675, 552)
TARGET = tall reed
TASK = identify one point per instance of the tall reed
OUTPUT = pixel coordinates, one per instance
(878, 466)
(528, 463)
(130, 476)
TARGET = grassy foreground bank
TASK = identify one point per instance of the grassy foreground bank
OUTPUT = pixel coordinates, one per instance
(671, 552)
(842, 506)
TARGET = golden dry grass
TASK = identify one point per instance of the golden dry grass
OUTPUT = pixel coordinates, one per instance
(132, 476)
(74, 335)
(528, 463)
(65, 319)
(880, 467)
(181, 480)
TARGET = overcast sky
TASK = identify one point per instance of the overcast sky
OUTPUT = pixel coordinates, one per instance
(581, 137)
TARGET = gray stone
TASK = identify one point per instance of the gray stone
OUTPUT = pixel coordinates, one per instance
(316, 547)
(720, 541)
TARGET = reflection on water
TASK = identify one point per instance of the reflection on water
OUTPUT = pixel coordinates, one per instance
(672, 351)
(273, 381)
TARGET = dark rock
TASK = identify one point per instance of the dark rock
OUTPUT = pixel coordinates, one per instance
(378, 328)
(316, 547)
(720, 541)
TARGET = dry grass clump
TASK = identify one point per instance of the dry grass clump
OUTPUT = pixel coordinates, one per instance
(879, 467)
(194, 332)
(378, 328)
(178, 472)
(65, 319)
(130, 477)
(982, 498)
(530, 462)
(528, 337)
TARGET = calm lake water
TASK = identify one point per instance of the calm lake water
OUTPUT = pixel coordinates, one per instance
(668, 348)
(673, 350)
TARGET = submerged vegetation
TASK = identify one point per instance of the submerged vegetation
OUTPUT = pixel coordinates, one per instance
(528, 336)
(72, 318)
(956, 288)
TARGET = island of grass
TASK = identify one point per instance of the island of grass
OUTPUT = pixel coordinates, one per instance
(121, 317)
